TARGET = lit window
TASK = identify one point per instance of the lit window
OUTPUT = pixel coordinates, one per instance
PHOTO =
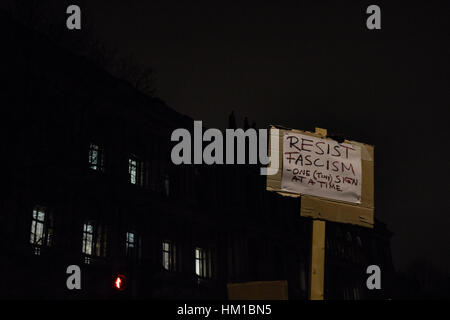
(136, 171)
(202, 263)
(41, 229)
(130, 242)
(94, 240)
(168, 255)
(88, 238)
(132, 245)
(96, 157)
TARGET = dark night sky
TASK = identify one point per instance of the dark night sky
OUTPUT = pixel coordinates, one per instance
(303, 66)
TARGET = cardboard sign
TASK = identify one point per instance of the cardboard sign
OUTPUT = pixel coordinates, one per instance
(353, 205)
(321, 167)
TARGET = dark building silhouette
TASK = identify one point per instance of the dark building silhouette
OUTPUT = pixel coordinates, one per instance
(88, 181)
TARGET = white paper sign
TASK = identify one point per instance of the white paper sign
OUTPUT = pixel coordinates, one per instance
(321, 167)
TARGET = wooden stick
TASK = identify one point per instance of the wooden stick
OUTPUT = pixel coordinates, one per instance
(317, 267)
(317, 260)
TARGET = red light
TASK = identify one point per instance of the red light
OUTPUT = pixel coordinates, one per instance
(120, 282)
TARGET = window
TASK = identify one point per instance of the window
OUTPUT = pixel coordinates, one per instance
(96, 157)
(88, 238)
(132, 245)
(202, 263)
(94, 240)
(136, 170)
(168, 256)
(41, 229)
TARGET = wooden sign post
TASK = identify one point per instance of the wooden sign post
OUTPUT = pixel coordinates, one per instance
(317, 267)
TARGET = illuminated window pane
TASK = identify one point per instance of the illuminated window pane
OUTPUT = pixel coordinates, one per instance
(94, 242)
(168, 255)
(39, 233)
(95, 157)
(166, 260)
(88, 239)
(132, 169)
(197, 267)
(136, 171)
(130, 237)
(201, 266)
(130, 244)
(41, 228)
